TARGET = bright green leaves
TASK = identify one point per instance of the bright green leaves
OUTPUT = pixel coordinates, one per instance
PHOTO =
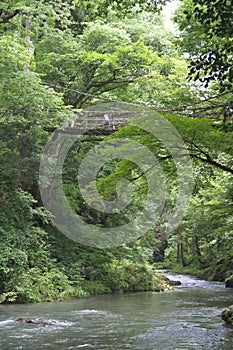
(27, 108)
(117, 60)
(165, 85)
(13, 56)
(57, 57)
(28, 102)
(210, 217)
(151, 29)
(44, 15)
(103, 37)
(101, 8)
(91, 65)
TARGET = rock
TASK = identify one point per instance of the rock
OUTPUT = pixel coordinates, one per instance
(43, 321)
(175, 283)
(229, 282)
(171, 282)
(227, 315)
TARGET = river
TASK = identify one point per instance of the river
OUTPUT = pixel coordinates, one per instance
(187, 318)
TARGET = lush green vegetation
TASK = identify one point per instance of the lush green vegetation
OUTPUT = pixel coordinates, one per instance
(57, 57)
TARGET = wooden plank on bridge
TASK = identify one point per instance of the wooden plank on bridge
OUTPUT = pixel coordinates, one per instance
(94, 123)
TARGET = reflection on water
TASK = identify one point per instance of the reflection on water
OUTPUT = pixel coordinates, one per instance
(186, 318)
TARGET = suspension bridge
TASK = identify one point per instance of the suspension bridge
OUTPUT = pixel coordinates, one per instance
(96, 123)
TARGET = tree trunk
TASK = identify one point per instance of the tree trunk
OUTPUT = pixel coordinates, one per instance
(28, 41)
(180, 254)
(198, 251)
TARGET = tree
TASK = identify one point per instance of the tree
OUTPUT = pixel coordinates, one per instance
(27, 108)
(207, 236)
(68, 13)
(206, 33)
(87, 11)
(115, 63)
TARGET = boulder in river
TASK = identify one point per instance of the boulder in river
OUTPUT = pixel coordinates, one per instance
(42, 321)
(227, 315)
(172, 282)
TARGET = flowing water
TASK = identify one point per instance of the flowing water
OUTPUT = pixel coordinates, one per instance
(187, 318)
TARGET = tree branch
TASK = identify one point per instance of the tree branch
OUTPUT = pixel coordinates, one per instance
(6, 16)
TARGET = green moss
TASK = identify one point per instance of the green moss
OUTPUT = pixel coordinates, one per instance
(229, 282)
(227, 315)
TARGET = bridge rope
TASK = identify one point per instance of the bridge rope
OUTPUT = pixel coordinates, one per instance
(198, 109)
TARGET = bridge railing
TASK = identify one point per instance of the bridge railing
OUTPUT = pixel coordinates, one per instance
(99, 123)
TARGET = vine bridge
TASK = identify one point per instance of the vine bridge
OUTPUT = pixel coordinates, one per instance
(96, 124)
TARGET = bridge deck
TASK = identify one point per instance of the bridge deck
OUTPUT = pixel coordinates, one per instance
(92, 124)
(98, 123)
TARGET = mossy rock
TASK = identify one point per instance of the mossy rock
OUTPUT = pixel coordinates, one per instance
(229, 282)
(227, 315)
(171, 282)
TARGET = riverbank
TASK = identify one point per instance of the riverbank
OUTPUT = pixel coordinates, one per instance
(119, 279)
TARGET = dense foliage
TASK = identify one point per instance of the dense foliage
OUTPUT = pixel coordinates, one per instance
(58, 57)
(207, 36)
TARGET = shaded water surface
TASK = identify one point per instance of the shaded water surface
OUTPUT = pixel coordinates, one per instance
(186, 319)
